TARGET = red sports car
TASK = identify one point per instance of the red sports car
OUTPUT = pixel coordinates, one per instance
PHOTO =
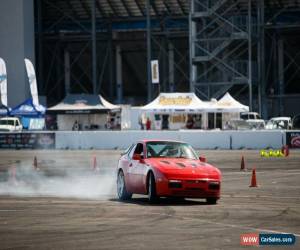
(166, 169)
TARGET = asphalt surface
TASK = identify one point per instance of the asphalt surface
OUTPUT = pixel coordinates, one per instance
(68, 202)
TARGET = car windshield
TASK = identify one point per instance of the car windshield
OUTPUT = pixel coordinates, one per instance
(7, 122)
(170, 150)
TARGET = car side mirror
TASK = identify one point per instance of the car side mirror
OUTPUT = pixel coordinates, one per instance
(138, 157)
(202, 158)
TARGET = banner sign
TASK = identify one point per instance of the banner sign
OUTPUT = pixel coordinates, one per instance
(32, 82)
(155, 71)
(3, 83)
(293, 139)
(27, 140)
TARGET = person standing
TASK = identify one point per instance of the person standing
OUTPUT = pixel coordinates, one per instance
(148, 124)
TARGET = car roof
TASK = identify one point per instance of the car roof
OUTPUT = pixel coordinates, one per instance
(281, 118)
(8, 118)
(159, 140)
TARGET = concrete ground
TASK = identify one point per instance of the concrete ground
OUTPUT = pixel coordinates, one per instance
(68, 202)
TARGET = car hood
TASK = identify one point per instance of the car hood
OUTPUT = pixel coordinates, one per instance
(184, 168)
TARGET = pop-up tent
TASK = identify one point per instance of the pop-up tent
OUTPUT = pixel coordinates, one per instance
(82, 104)
(27, 109)
(85, 111)
(173, 110)
(182, 108)
(175, 103)
(32, 116)
(228, 104)
(221, 112)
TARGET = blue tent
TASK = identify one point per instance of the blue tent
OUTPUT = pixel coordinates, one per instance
(27, 109)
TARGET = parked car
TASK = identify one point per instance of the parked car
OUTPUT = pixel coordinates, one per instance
(253, 119)
(158, 168)
(279, 123)
(10, 124)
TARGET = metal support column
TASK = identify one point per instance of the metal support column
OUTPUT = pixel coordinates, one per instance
(110, 63)
(250, 54)
(171, 67)
(119, 74)
(40, 48)
(149, 82)
(280, 74)
(59, 69)
(192, 31)
(67, 71)
(261, 60)
(94, 51)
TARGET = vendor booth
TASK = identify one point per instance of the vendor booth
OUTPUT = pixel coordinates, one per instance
(85, 112)
(186, 111)
(224, 110)
(174, 111)
(32, 117)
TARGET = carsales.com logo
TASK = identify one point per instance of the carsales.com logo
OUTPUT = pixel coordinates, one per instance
(254, 239)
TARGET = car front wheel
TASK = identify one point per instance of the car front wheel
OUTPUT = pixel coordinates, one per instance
(152, 197)
(121, 187)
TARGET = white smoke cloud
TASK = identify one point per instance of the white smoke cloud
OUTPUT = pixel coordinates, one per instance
(82, 183)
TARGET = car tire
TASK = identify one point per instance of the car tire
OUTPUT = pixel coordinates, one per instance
(152, 196)
(121, 187)
(211, 201)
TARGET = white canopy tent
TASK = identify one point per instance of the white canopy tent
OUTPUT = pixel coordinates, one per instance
(167, 103)
(171, 110)
(228, 104)
(223, 111)
(179, 106)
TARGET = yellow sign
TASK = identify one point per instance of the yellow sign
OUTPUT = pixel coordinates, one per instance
(183, 101)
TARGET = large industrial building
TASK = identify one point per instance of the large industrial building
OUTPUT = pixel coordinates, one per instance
(250, 48)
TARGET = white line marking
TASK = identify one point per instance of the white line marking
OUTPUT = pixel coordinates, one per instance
(225, 224)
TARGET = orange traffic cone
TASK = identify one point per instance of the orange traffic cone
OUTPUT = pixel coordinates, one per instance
(285, 150)
(243, 164)
(253, 179)
(35, 164)
(95, 165)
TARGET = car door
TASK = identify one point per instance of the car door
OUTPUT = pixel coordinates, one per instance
(135, 168)
(126, 164)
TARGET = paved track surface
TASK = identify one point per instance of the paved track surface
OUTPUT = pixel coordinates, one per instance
(67, 204)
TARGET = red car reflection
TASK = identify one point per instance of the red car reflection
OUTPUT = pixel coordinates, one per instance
(159, 168)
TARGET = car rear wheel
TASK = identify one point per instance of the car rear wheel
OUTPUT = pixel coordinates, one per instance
(152, 196)
(121, 187)
(211, 200)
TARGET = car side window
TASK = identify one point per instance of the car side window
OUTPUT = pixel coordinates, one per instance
(138, 149)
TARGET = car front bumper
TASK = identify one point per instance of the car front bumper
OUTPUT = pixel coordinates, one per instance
(193, 188)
